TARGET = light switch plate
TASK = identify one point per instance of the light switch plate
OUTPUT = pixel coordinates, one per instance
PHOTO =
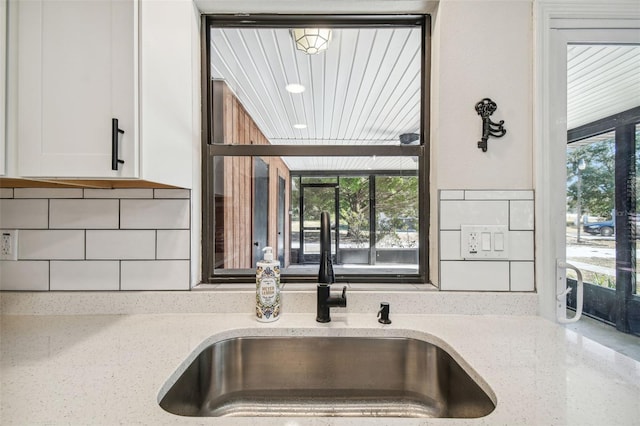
(479, 242)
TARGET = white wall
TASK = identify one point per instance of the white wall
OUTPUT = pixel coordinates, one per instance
(482, 49)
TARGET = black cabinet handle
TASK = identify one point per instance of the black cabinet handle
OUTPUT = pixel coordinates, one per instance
(115, 132)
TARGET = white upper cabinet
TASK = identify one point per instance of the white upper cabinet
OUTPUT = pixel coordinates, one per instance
(75, 74)
(77, 65)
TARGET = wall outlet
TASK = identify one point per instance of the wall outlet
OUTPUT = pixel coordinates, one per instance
(472, 242)
(484, 242)
(9, 244)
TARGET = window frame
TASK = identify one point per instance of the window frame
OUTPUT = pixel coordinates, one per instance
(210, 150)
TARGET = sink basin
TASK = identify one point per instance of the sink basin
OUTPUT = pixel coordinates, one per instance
(326, 376)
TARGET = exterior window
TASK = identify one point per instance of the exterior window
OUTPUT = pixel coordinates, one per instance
(290, 134)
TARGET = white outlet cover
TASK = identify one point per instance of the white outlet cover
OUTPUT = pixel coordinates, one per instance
(471, 247)
(9, 244)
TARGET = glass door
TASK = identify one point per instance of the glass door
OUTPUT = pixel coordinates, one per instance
(601, 162)
(602, 222)
(316, 198)
(260, 207)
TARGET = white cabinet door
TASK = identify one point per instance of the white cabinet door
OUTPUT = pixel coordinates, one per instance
(76, 73)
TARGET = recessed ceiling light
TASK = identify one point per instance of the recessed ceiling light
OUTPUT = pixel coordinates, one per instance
(299, 126)
(295, 88)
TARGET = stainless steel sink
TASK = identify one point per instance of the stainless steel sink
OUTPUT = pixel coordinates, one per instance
(326, 376)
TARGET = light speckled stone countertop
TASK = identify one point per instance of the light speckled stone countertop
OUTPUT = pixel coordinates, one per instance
(111, 369)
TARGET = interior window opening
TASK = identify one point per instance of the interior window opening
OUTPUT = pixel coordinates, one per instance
(307, 114)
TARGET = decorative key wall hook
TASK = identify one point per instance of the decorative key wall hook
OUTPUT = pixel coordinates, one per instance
(485, 108)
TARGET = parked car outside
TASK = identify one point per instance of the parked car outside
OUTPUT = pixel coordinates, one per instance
(607, 228)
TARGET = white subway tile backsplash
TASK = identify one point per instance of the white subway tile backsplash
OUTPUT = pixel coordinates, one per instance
(522, 276)
(474, 276)
(6, 192)
(83, 214)
(521, 245)
(24, 214)
(521, 215)
(155, 275)
(51, 244)
(497, 195)
(171, 193)
(154, 214)
(173, 244)
(85, 275)
(451, 195)
(450, 245)
(454, 213)
(97, 239)
(48, 193)
(514, 208)
(24, 275)
(119, 193)
(121, 244)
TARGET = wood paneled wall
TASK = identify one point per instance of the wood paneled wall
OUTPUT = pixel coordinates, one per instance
(237, 223)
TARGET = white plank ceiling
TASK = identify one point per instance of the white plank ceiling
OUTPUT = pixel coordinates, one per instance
(602, 80)
(363, 90)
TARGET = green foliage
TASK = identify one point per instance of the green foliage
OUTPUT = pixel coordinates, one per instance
(397, 198)
(354, 208)
(318, 200)
(396, 205)
(598, 179)
(295, 199)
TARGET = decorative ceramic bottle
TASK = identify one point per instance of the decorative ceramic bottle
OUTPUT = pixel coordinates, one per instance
(268, 287)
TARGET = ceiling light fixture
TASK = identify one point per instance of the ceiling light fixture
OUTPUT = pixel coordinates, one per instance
(311, 40)
(299, 126)
(294, 88)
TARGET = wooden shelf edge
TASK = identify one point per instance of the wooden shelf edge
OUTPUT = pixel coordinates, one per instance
(6, 182)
